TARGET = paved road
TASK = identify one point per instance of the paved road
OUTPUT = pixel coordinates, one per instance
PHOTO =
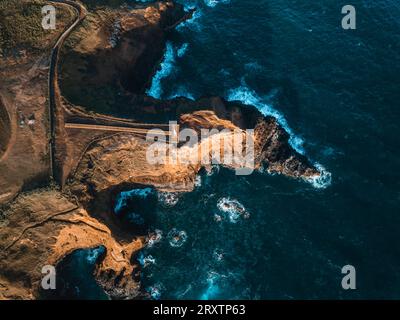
(53, 76)
(154, 131)
(55, 97)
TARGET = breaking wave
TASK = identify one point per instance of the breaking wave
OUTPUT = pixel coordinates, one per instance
(198, 181)
(180, 52)
(146, 260)
(233, 209)
(155, 291)
(322, 181)
(218, 254)
(249, 97)
(166, 68)
(92, 255)
(168, 199)
(193, 22)
(212, 286)
(214, 3)
(154, 238)
(177, 238)
(123, 197)
(182, 92)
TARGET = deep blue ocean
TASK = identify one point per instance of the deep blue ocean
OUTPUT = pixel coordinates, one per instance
(338, 94)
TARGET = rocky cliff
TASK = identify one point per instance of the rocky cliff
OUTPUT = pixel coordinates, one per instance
(41, 228)
(108, 61)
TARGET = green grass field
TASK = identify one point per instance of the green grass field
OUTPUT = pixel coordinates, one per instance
(21, 25)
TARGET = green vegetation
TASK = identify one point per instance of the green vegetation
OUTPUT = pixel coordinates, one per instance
(21, 25)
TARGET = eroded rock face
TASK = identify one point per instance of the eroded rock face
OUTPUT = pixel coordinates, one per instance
(271, 141)
(124, 159)
(5, 129)
(41, 228)
(117, 49)
(121, 162)
(274, 150)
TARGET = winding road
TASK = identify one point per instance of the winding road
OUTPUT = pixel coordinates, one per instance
(53, 75)
(55, 100)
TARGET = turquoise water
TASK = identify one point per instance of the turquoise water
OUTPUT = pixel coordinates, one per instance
(74, 278)
(337, 92)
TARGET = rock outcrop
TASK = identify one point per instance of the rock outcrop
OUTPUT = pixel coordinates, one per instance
(109, 61)
(5, 129)
(117, 50)
(41, 228)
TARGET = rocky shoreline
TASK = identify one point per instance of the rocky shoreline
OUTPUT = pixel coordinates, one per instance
(107, 168)
(111, 164)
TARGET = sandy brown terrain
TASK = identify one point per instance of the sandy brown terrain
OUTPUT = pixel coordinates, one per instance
(24, 137)
(43, 226)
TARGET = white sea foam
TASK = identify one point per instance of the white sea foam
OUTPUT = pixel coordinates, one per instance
(197, 181)
(249, 97)
(146, 260)
(233, 209)
(212, 286)
(166, 68)
(182, 92)
(168, 199)
(214, 169)
(180, 52)
(214, 3)
(243, 93)
(322, 181)
(93, 254)
(177, 238)
(154, 238)
(218, 217)
(193, 23)
(155, 291)
(123, 197)
(218, 254)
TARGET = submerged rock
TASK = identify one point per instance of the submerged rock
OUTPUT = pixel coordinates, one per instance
(43, 228)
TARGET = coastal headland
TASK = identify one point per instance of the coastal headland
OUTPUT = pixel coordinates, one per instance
(74, 117)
